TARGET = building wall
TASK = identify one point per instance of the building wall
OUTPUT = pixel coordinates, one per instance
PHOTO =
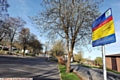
(118, 63)
(108, 62)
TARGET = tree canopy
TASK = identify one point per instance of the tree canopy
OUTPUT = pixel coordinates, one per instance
(69, 19)
(79, 57)
(24, 37)
(58, 48)
(35, 44)
(98, 61)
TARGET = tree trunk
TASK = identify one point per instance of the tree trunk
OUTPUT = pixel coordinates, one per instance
(24, 48)
(70, 54)
(23, 53)
(68, 63)
(11, 47)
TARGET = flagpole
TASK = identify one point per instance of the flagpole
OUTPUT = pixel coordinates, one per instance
(104, 63)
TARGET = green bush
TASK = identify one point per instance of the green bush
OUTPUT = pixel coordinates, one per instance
(29, 54)
(1, 52)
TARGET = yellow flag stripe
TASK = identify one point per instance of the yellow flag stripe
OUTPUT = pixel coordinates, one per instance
(104, 31)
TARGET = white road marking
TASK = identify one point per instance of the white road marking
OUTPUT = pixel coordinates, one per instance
(32, 73)
(37, 67)
(24, 71)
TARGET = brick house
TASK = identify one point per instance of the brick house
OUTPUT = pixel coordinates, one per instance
(113, 62)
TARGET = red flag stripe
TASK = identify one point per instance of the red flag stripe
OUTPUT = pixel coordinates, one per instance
(104, 22)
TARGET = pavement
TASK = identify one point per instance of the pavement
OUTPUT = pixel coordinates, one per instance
(93, 73)
(37, 68)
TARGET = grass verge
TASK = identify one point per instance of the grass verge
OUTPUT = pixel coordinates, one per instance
(113, 71)
(67, 76)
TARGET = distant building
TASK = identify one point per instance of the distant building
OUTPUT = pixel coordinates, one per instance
(113, 62)
(26, 51)
(66, 57)
(89, 62)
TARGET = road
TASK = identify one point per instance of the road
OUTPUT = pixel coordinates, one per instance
(36, 68)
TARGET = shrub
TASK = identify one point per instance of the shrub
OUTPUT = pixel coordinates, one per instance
(61, 61)
(1, 52)
(29, 54)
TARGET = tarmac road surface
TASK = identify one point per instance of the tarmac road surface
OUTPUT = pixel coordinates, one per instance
(36, 68)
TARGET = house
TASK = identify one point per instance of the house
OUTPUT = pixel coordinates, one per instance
(26, 51)
(89, 62)
(113, 62)
(66, 58)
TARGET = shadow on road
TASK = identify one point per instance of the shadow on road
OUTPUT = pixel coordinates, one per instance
(36, 68)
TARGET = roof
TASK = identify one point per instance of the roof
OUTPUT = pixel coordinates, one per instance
(113, 55)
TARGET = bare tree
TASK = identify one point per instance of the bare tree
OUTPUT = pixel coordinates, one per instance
(70, 19)
(79, 57)
(2, 34)
(24, 37)
(58, 49)
(3, 30)
(14, 25)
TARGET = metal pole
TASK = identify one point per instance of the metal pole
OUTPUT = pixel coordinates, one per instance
(104, 63)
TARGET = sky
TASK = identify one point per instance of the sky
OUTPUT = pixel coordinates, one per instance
(25, 8)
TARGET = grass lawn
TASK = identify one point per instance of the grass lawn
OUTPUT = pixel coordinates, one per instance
(67, 76)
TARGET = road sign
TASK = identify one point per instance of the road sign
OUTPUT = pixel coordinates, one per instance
(103, 31)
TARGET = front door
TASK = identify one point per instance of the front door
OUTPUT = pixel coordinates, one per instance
(114, 64)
